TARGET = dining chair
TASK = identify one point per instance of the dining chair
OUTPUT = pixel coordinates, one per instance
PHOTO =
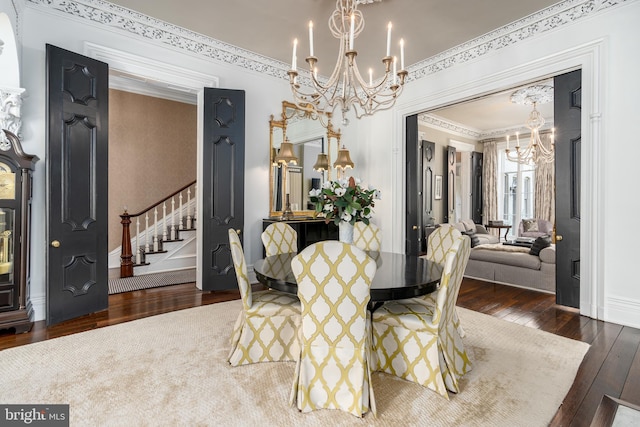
(420, 343)
(367, 237)
(439, 243)
(279, 238)
(267, 327)
(334, 367)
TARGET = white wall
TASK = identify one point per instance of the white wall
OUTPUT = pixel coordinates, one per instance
(605, 47)
(264, 96)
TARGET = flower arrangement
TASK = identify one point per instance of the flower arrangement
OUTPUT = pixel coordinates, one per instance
(344, 200)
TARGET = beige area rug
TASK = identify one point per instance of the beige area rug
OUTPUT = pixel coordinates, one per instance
(170, 370)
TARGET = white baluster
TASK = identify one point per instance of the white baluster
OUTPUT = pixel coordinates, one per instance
(164, 221)
(173, 217)
(156, 243)
(195, 189)
(146, 232)
(138, 254)
(189, 225)
(180, 223)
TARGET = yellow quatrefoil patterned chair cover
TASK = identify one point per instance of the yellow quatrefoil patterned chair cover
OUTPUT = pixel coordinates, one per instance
(420, 343)
(267, 327)
(279, 238)
(439, 243)
(367, 237)
(334, 369)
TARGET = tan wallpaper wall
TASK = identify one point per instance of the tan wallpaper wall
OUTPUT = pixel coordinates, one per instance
(152, 153)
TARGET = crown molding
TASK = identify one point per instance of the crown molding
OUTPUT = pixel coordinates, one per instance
(120, 18)
(454, 128)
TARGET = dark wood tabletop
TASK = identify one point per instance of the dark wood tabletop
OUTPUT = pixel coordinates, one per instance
(398, 276)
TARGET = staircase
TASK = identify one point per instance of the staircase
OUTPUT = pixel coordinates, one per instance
(164, 236)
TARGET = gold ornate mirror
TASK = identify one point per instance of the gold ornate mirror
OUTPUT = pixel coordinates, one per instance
(297, 143)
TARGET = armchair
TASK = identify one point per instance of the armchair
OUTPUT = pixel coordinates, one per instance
(535, 228)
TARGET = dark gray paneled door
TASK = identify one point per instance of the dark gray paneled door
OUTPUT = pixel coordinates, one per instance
(476, 188)
(222, 184)
(77, 184)
(413, 184)
(567, 111)
(450, 179)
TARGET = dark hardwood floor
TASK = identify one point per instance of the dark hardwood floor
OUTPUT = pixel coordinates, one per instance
(611, 366)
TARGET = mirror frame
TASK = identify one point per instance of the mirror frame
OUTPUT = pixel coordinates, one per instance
(289, 111)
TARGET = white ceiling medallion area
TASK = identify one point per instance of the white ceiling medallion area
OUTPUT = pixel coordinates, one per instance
(111, 15)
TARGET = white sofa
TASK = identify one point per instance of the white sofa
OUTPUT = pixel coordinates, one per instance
(514, 266)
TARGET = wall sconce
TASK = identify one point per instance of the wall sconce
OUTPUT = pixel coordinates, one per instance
(343, 161)
(286, 155)
(322, 163)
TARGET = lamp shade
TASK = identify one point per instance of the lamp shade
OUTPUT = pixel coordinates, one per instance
(322, 164)
(344, 159)
(286, 155)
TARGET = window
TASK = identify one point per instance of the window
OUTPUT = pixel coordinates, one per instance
(516, 191)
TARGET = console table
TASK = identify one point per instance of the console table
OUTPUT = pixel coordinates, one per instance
(309, 230)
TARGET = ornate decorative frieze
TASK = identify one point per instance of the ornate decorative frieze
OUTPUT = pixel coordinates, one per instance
(439, 123)
(10, 105)
(114, 16)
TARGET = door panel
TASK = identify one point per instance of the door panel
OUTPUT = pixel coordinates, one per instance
(223, 184)
(77, 185)
(476, 187)
(567, 112)
(450, 179)
(427, 177)
(413, 197)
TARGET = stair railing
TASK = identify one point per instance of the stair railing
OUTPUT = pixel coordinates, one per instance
(168, 233)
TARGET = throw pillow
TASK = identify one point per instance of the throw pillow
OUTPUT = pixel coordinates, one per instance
(539, 244)
(474, 239)
(530, 225)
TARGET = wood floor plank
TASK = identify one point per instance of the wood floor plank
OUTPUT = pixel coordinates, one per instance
(631, 389)
(612, 375)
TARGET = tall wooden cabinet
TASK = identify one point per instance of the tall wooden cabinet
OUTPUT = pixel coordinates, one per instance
(16, 168)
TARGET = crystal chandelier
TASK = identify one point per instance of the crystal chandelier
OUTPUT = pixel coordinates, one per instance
(536, 151)
(346, 86)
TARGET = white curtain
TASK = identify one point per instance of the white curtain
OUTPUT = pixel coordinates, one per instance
(490, 182)
(545, 197)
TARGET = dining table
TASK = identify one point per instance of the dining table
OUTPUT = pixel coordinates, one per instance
(398, 276)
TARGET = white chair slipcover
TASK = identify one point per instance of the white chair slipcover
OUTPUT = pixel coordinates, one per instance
(367, 237)
(438, 245)
(334, 368)
(267, 327)
(420, 343)
(279, 238)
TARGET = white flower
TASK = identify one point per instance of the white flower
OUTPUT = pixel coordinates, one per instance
(377, 195)
(340, 192)
(315, 192)
(343, 183)
(327, 184)
(346, 216)
(328, 207)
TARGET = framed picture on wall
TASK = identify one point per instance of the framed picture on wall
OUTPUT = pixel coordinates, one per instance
(437, 192)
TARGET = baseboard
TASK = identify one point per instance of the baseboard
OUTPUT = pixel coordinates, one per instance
(622, 311)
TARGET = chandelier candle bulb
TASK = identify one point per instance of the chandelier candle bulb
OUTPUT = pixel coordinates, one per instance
(310, 38)
(402, 54)
(353, 24)
(389, 39)
(507, 142)
(293, 57)
(517, 140)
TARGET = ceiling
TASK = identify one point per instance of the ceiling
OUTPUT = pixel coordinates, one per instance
(427, 26)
